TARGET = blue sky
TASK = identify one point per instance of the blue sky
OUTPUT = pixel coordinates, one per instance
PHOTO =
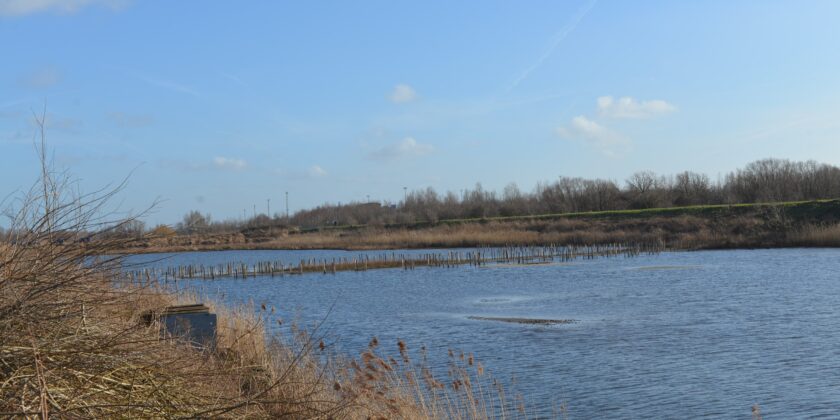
(219, 106)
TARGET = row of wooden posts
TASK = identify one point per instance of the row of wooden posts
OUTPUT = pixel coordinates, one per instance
(407, 261)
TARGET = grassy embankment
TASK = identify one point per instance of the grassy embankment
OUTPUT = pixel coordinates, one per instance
(764, 225)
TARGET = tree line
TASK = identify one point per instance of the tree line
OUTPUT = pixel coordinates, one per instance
(766, 180)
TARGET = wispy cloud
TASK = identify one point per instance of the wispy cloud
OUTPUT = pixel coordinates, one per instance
(627, 107)
(28, 7)
(316, 171)
(12, 114)
(130, 120)
(311, 173)
(169, 85)
(558, 38)
(12, 103)
(41, 78)
(74, 159)
(407, 147)
(57, 123)
(232, 164)
(583, 129)
(234, 78)
(403, 93)
(790, 126)
(15, 137)
(218, 163)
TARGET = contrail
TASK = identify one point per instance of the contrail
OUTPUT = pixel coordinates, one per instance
(558, 38)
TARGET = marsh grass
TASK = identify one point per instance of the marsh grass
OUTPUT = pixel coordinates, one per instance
(817, 236)
(682, 232)
(73, 344)
(694, 227)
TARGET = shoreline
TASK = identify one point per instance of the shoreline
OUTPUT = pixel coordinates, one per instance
(177, 250)
(764, 226)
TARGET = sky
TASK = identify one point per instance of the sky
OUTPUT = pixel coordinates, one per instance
(221, 106)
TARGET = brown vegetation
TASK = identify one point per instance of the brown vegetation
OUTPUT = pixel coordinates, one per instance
(72, 344)
(784, 224)
(816, 236)
(757, 206)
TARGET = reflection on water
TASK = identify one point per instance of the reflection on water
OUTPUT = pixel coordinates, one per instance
(701, 334)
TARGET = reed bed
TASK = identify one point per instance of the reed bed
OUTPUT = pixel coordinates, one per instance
(755, 227)
(73, 343)
(817, 236)
(507, 255)
(495, 234)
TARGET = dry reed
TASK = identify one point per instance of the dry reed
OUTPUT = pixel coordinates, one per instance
(761, 228)
(72, 344)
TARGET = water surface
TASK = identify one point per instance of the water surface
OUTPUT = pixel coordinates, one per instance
(685, 334)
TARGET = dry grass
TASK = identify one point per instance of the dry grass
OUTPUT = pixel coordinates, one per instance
(766, 227)
(72, 343)
(101, 361)
(817, 236)
(705, 227)
(680, 232)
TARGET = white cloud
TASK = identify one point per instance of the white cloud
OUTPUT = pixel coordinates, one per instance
(233, 164)
(407, 147)
(28, 7)
(607, 141)
(627, 107)
(317, 172)
(403, 93)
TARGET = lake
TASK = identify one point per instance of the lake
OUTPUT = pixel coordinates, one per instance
(678, 334)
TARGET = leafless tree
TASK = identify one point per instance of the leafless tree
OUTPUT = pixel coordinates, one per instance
(763, 180)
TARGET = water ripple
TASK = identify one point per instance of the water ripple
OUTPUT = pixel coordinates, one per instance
(701, 334)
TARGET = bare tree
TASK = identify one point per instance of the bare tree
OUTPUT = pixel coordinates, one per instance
(690, 188)
(194, 222)
(644, 189)
(763, 180)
